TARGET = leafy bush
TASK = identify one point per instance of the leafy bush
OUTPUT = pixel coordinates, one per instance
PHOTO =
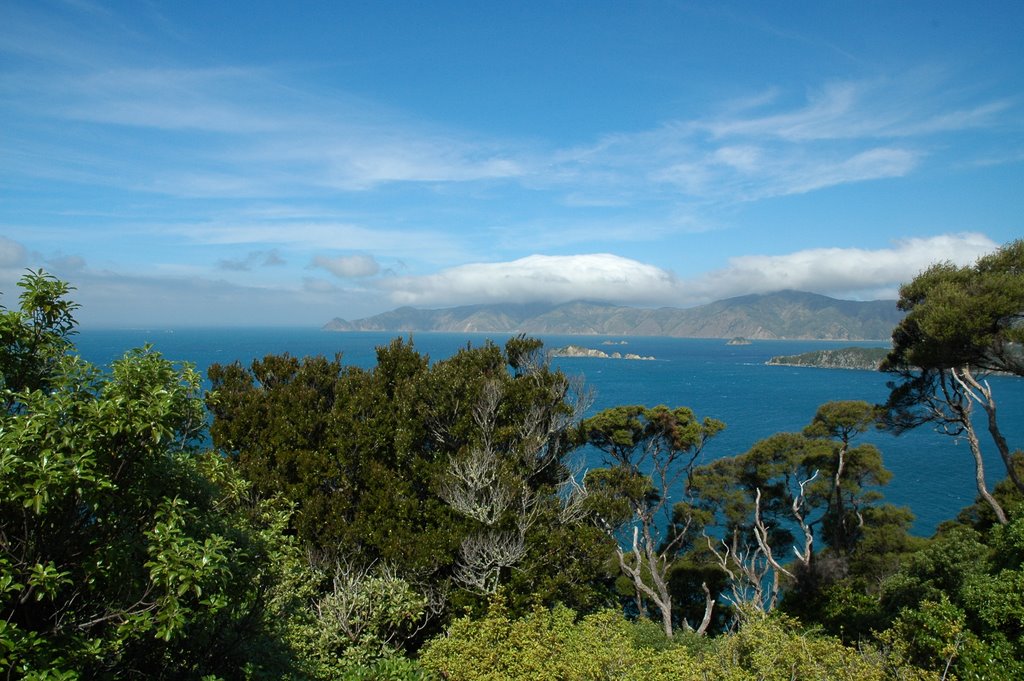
(553, 644)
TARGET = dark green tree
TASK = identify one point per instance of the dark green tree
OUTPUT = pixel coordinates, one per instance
(453, 474)
(849, 474)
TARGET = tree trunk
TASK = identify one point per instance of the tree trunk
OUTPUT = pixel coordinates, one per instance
(989, 405)
(658, 594)
(709, 605)
(979, 469)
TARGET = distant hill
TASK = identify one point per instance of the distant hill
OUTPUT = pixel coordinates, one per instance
(781, 315)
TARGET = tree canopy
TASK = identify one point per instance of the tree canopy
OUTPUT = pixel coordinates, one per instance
(964, 316)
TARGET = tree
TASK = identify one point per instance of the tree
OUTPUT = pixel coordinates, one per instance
(848, 472)
(453, 474)
(113, 557)
(802, 492)
(755, 502)
(962, 323)
(651, 453)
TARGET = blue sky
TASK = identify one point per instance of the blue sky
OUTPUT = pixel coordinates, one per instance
(251, 163)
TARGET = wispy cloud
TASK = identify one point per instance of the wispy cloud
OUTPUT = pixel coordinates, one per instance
(761, 147)
(12, 253)
(423, 244)
(248, 131)
(882, 108)
(348, 266)
(271, 258)
(162, 160)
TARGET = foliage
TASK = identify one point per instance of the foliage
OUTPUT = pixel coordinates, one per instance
(958, 602)
(34, 337)
(555, 644)
(355, 622)
(454, 474)
(650, 453)
(964, 316)
(114, 559)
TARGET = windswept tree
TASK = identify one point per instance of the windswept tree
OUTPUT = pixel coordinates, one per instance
(755, 504)
(778, 506)
(962, 324)
(650, 454)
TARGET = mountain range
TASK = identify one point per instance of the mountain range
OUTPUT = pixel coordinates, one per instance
(780, 315)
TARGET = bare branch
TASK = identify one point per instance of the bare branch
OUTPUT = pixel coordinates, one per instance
(483, 556)
(797, 509)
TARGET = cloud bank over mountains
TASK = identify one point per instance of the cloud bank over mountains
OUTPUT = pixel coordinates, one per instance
(844, 273)
(852, 273)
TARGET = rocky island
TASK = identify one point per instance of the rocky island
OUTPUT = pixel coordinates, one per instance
(867, 359)
(579, 351)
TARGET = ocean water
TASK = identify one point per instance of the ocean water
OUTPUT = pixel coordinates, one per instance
(932, 473)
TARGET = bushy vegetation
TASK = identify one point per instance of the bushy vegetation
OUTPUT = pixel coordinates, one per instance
(424, 520)
(557, 644)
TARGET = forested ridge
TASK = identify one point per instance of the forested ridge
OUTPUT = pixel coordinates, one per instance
(307, 519)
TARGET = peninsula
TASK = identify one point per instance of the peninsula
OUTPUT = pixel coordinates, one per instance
(867, 359)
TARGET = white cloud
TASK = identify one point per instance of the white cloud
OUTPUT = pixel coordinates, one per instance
(841, 272)
(850, 273)
(548, 278)
(349, 266)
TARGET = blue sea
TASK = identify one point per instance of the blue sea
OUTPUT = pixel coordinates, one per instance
(932, 473)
